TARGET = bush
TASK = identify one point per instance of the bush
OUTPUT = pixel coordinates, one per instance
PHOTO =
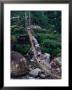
(23, 49)
(51, 46)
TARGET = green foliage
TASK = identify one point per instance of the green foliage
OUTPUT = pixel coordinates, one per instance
(49, 36)
(17, 31)
(22, 48)
(50, 42)
(46, 19)
(51, 46)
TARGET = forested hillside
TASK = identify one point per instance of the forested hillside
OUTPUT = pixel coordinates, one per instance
(49, 36)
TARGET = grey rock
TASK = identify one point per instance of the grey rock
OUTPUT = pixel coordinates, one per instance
(31, 78)
(58, 60)
(35, 72)
(42, 76)
(18, 64)
(32, 60)
(47, 57)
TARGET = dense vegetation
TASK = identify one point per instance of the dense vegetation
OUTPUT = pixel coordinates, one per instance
(49, 37)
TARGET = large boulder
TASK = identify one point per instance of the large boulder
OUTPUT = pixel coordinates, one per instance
(18, 64)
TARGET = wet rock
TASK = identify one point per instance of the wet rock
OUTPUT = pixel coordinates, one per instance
(35, 72)
(47, 57)
(32, 60)
(42, 76)
(18, 64)
(31, 78)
